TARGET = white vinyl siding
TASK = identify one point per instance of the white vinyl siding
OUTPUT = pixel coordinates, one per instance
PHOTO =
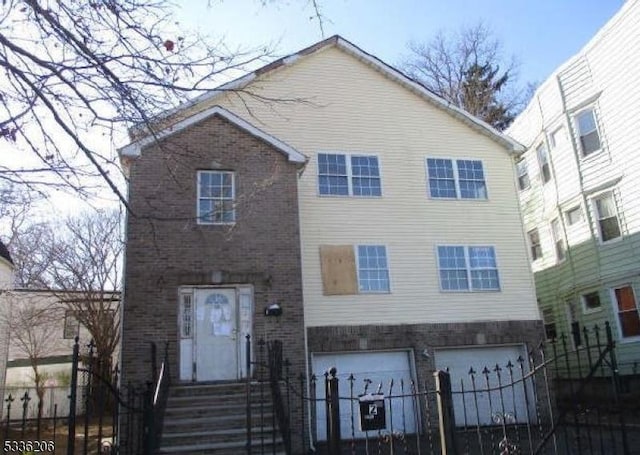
(350, 114)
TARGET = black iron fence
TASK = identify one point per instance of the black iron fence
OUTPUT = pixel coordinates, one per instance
(558, 398)
(102, 416)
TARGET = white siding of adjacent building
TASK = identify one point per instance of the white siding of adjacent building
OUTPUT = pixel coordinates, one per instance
(603, 75)
(345, 106)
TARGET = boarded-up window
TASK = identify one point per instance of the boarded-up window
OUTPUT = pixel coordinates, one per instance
(338, 265)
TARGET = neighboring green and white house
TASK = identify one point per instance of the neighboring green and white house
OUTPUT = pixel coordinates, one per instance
(578, 187)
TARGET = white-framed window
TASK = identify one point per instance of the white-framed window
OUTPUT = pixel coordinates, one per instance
(186, 315)
(549, 321)
(556, 137)
(573, 215)
(216, 197)
(606, 214)
(573, 321)
(534, 244)
(468, 268)
(627, 312)
(373, 270)
(543, 162)
(587, 127)
(558, 240)
(348, 175)
(71, 325)
(591, 302)
(523, 175)
(456, 179)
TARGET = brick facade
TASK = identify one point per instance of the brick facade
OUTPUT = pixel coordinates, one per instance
(166, 248)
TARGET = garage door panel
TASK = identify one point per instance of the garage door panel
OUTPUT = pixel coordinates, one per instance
(378, 367)
(493, 397)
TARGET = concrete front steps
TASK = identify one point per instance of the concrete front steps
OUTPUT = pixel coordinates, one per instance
(212, 419)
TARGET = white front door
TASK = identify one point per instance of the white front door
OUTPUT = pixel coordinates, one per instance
(217, 341)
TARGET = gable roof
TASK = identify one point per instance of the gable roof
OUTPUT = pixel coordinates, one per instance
(4, 253)
(135, 148)
(378, 65)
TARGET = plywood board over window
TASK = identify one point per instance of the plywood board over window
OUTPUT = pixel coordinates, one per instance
(338, 265)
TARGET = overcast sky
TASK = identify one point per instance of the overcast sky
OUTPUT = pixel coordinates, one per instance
(542, 34)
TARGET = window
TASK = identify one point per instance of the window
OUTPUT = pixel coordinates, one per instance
(574, 323)
(186, 326)
(607, 217)
(588, 131)
(462, 179)
(557, 137)
(523, 175)
(543, 161)
(535, 245)
(468, 268)
(373, 274)
(591, 302)
(627, 310)
(341, 175)
(549, 321)
(558, 240)
(71, 325)
(216, 195)
(573, 215)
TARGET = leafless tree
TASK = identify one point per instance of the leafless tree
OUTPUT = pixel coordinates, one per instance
(78, 261)
(85, 273)
(468, 70)
(76, 74)
(34, 329)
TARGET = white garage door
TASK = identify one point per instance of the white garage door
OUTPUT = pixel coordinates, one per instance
(490, 404)
(379, 368)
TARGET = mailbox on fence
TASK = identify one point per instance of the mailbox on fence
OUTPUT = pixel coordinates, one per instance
(372, 412)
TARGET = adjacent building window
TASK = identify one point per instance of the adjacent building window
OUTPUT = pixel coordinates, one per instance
(463, 179)
(588, 131)
(468, 268)
(373, 273)
(343, 175)
(535, 245)
(573, 215)
(556, 138)
(591, 302)
(574, 323)
(607, 217)
(216, 197)
(628, 313)
(558, 240)
(71, 325)
(523, 175)
(549, 321)
(543, 161)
